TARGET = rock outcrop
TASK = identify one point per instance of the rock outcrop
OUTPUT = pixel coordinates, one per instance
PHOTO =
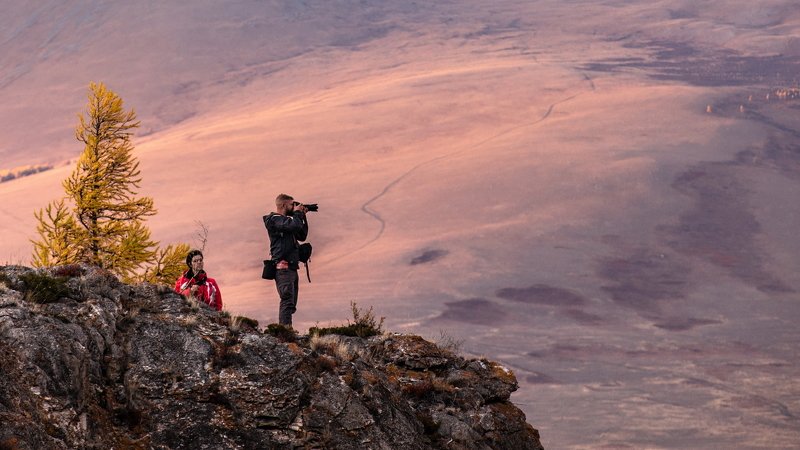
(89, 362)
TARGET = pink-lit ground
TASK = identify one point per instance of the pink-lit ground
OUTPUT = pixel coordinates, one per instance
(540, 179)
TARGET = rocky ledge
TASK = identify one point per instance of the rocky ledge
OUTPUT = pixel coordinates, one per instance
(89, 362)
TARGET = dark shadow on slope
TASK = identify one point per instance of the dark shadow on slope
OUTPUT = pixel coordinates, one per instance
(684, 323)
(542, 294)
(644, 279)
(428, 256)
(720, 227)
(478, 311)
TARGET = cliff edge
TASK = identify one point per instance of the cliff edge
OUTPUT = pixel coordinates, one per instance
(89, 362)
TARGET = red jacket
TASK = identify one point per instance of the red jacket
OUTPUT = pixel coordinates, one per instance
(207, 289)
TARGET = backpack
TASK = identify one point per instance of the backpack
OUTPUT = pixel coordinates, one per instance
(305, 252)
(305, 256)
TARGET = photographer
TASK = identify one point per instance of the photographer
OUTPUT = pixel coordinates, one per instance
(286, 228)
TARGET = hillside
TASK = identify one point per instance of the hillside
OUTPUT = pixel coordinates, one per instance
(89, 362)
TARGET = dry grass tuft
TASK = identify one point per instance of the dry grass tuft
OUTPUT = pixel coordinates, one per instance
(343, 351)
(189, 321)
(322, 344)
(294, 348)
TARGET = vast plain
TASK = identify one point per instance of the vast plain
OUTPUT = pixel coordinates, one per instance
(600, 194)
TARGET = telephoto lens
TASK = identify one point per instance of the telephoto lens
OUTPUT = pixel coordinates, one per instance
(310, 207)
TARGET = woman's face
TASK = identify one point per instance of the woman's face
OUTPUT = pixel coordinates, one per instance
(197, 263)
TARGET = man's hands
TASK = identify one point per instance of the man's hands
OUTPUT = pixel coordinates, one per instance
(301, 207)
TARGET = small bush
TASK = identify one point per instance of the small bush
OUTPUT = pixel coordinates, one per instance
(239, 323)
(41, 288)
(364, 325)
(449, 343)
(282, 332)
(344, 330)
(246, 321)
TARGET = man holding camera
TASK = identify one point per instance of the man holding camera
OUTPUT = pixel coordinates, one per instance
(286, 228)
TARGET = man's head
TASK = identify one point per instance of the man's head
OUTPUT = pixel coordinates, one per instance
(284, 203)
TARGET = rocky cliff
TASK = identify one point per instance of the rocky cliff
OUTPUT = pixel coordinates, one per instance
(89, 362)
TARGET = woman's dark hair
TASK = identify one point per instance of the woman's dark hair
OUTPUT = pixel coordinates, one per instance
(191, 255)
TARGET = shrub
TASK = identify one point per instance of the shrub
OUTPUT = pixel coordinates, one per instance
(239, 322)
(41, 288)
(282, 332)
(449, 343)
(364, 325)
(344, 330)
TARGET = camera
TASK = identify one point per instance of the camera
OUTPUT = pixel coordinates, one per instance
(311, 207)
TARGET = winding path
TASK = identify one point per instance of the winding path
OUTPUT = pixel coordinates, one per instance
(375, 215)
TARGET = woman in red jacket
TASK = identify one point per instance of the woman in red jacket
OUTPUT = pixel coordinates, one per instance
(195, 283)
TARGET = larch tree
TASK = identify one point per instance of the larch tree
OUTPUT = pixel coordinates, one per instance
(105, 226)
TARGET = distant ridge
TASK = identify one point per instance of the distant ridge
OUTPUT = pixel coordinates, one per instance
(24, 171)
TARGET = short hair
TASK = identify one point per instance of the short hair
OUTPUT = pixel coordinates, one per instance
(280, 199)
(191, 256)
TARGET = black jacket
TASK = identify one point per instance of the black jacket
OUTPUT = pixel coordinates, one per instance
(284, 233)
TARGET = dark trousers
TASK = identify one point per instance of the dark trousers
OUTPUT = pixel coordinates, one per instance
(286, 281)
